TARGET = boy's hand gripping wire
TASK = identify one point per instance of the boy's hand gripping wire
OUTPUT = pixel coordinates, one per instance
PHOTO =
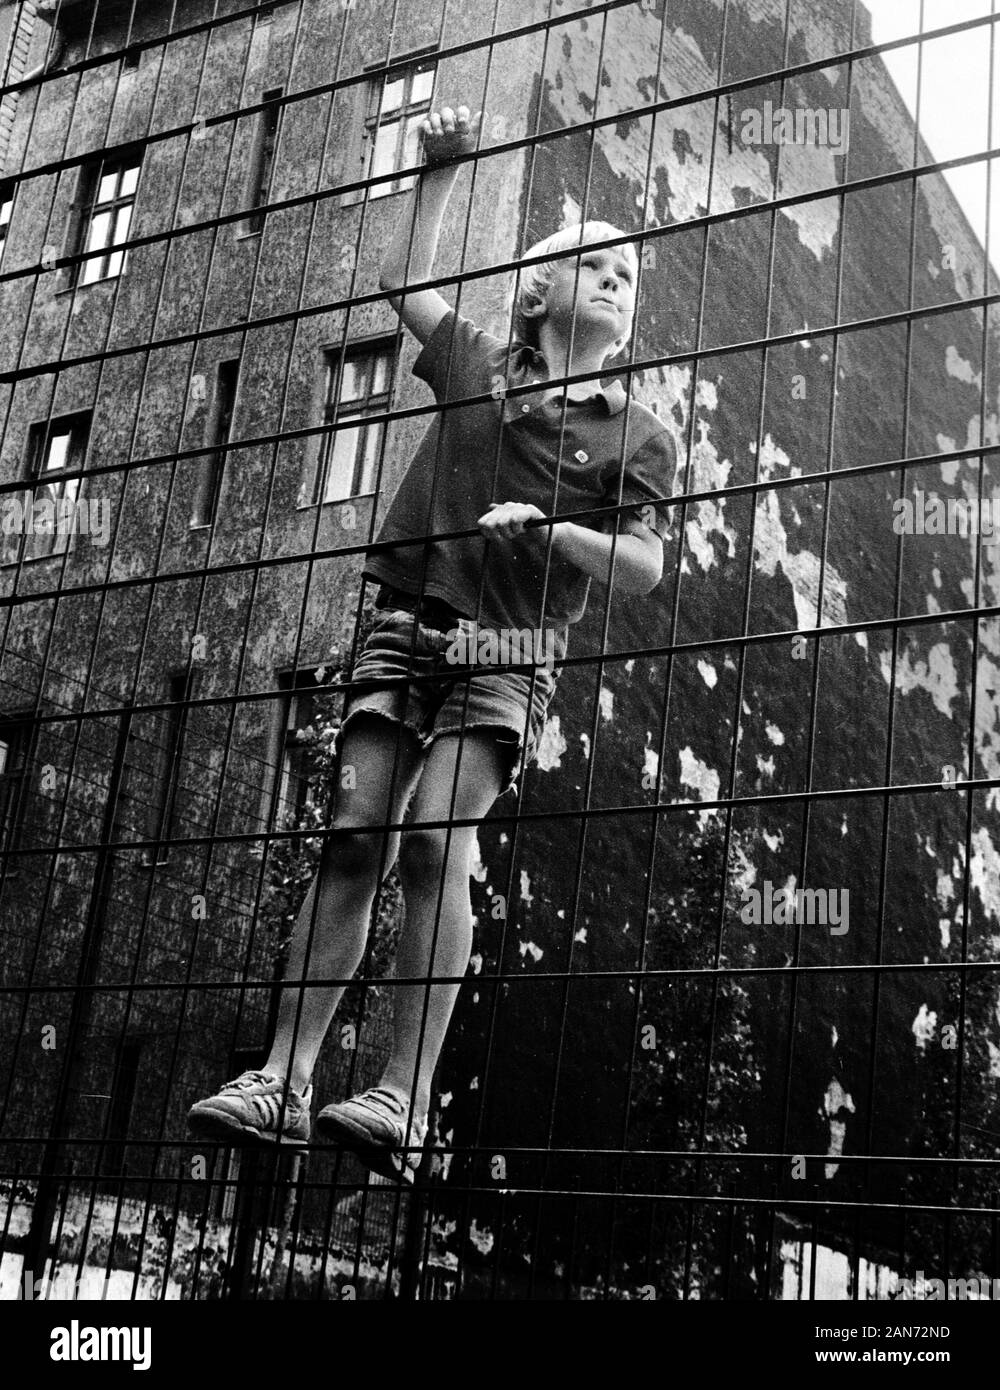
(448, 134)
(505, 520)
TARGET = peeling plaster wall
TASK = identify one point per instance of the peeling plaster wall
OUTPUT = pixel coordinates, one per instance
(796, 558)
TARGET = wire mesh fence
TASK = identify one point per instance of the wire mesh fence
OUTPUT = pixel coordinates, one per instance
(730, 1024)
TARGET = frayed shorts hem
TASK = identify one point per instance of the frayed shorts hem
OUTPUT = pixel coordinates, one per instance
(509, 740)
(512, 703)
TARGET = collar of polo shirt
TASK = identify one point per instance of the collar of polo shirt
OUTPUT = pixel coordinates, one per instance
(613, 396)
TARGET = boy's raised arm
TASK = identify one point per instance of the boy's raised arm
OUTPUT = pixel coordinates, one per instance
(411, 254)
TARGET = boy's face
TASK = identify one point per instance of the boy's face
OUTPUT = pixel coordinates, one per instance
(603, 283)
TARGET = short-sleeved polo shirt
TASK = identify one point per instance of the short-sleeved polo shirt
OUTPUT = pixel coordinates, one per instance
(561, 455)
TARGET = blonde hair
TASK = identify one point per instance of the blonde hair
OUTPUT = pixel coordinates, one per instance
(534, 280)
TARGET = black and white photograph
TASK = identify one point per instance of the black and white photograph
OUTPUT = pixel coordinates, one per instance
(500, 667)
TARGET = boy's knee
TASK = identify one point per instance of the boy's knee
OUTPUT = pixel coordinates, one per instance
(422, 855)
(353, 852)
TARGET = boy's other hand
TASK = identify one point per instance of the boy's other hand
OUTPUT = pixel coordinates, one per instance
(447, 134)
(505, 520)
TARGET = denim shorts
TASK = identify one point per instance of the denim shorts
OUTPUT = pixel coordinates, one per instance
(450, 699)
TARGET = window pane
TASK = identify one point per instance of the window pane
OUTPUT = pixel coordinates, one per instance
(6, 208)
(392, 95)
(294, 782)
(381, 382)
(305, 710)
(123, 220)
(100, 232)
(340, 466)
(423, 85)
(77, 447)
(373, 438)
(331, 383)
(130, 179)
(351, 380)
(4, 756)
(60, 492)
(57, 451)
(106, 188)
(285, 801)
(384, 156)
(411, 145)
(63, 500)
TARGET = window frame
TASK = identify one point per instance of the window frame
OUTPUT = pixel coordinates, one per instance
(77, 426)
(294, 685)
(90, 206)
(290, 682)
(365, 118)
(263, 152)
(335, 360)
(161, 813)
(17, 733)
(401, 115)
(218, 432)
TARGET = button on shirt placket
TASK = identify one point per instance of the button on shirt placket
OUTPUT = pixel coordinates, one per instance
(519, 406)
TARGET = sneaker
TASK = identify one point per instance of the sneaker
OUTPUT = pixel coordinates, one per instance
(373, 1126)
(251, 1107)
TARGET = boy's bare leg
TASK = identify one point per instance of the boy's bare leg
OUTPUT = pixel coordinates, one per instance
(332, 925)
(434, 869)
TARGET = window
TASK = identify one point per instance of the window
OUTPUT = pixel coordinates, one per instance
(122, 827)
(57, 450)
(265, 142)
(6, 212)
(286, 763)
(168, 751)
(14, 738)
(403, 99)
(360, 386)
(123, 1088)
(297, 711)
(217, 434)
(109, 201)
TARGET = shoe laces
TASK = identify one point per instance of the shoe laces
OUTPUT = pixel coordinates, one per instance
(248, 1079)
(378, 1099)
(387, 1104)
